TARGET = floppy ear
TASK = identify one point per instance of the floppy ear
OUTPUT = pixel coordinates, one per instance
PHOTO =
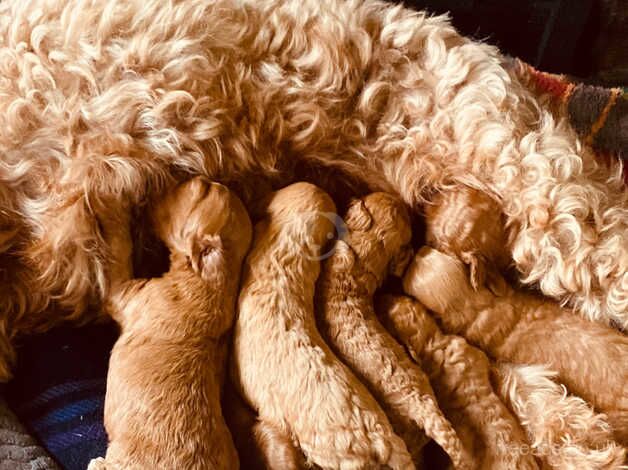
(358, 217)
(208, 258)
(477, 268)
(400, 261)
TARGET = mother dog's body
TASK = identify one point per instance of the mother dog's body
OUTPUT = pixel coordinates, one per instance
(105, 102)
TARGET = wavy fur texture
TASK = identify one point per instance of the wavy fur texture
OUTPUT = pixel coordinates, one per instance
(104, 103)
(377, 243)
(460, 376)
(284, 369)
(522, 328)
(564, 431)
(167, 368)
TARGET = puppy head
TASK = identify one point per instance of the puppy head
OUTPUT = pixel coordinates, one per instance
(439, 281)
(468, 224)
(379, 234)
(206, 223)
(303, 205)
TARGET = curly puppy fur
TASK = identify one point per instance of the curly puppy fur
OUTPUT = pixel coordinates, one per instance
(114, 98)
(162, 407)
(377, 243)
(564, 431)
(459, 374)
(260, 447)
(282, 365)
(467, 223)
(522, 328)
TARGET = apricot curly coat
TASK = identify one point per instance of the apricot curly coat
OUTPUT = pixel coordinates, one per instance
(377, 243)
(460, 376)
(114, 98)
(564, 431)
(518, 327)
(162, 406)
(284, 369)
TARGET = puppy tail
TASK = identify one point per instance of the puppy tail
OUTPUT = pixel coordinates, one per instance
(440, 429)
(563, 429)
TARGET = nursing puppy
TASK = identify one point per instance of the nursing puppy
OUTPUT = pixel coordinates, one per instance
(378, 243)
(259, 447)
(286, 372)
(460, 376)
(110, 99)
(564, 432)
(589, 358)
(468, 224)
(162, 407)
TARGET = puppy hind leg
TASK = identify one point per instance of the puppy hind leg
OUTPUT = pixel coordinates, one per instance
(278, 449)
(98, 464)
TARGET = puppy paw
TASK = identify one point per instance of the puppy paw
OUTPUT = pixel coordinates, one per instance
(97, 464)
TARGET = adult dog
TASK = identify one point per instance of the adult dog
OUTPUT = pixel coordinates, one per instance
(104, 103)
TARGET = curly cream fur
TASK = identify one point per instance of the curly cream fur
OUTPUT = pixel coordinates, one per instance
(522, 328)
(459, 374)
(564, 431)
(115, 98)
(284, 368)
(378, 242)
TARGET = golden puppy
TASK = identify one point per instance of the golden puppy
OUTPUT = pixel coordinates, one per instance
(259, 447)
(564, 431)
(459, 374)
(284, 368)
(468, 224)
(590, 358)
(162, 408)
(378, 242)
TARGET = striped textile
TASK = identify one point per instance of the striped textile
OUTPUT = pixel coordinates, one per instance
(59, 391)
(599, 115)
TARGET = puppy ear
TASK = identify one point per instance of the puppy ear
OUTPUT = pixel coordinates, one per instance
(401, 260)
(483, 274)
(358, 218)
(208, 259)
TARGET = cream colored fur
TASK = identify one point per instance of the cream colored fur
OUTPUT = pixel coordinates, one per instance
(112, 99)
(518, 327)
(564, 431)
(459, 374)
(284, 368)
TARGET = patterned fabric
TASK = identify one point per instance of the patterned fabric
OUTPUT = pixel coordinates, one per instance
(18, 450)
(599, 115)
(59, 390)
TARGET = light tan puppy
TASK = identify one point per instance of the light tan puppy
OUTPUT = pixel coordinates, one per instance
(468, 224)
(378, 242)
(284, 368)
(564, 431)
(259, 447)
(518, 327)
(162, 408)
(459, 374)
